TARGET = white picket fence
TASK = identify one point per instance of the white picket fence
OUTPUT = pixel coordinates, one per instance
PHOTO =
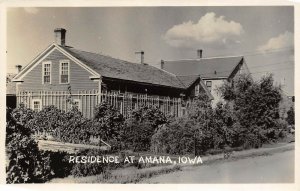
(88, 99)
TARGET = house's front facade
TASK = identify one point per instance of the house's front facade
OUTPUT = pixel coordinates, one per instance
(67, 77)
(213, 71)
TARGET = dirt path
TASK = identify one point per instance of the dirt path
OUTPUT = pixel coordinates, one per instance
(273, 168)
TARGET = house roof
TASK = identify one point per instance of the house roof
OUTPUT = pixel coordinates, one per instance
(110, 67)
(188, 80)
(219, 67)
(10, 85)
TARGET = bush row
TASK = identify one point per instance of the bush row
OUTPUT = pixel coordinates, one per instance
(28, 164)
(249, 118)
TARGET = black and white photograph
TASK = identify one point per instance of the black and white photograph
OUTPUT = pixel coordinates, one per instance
(150, 95)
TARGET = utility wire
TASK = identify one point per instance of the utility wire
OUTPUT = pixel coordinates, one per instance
(272, 70)
(276, 63)
(257, 52)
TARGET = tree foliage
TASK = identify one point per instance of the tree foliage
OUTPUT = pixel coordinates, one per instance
(256, 103)
(195, 133)
(291, 116)
(26, 163)
(108, 121)
(256, 108)
(140, 127)
(63, 126)
(248, 118)
(177, 137)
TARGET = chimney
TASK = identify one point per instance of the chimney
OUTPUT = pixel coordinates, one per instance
(19, 68)
(60, 36)
(162, 63)
(199, 53)
(142, 56)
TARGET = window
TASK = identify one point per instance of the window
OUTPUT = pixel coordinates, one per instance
(36, 105)
(76, 104)
(46, 72)
(208, 85)
(64, 72)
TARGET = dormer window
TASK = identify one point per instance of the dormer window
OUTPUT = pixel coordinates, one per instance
(46, 72)
(64, 72)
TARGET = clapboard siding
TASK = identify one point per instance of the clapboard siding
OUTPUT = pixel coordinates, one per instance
(79, 77)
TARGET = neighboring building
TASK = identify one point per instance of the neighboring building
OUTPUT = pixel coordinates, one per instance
(67, 77)
(213, 71)
(11, 99)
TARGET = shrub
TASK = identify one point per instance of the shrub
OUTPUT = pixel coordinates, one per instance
(74, 128)
(59, 163)
(22, 115)
(108, 123)
(252, 141)
(150, 114)
(140, 127)
(282, 124)
(63, 126)
(26, 163)
(256, 107)
(291, 116)
(177, 137)
(49, 119)
(88, 169)
(204, 128)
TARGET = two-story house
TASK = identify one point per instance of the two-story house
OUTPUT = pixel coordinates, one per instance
(213, 71)
(67, 77)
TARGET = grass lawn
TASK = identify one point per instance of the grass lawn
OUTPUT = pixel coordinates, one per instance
(123, 176)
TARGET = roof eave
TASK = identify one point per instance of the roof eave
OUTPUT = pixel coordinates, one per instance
(144, 83)
(17, 77)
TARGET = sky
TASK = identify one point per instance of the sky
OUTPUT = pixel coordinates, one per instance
(263, 35)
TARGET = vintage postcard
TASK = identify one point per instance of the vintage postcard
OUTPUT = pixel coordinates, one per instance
(149, 94)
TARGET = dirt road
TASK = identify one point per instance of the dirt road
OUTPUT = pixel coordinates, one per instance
(275, 168)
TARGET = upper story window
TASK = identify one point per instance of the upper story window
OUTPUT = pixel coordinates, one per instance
(208, 85)
(46, 72)
(64, 72)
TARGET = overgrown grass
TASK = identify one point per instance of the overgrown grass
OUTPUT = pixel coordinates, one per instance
(124, 176)
(137, 176)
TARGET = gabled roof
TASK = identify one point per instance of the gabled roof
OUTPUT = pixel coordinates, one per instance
(188, 80)
(52, 47)
(110, 67)
(219, 67)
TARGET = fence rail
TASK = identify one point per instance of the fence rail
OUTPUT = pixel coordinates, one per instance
(86, 101)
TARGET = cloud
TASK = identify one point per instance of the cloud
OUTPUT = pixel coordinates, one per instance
(209, 30)
(282, 41)
(31, 10)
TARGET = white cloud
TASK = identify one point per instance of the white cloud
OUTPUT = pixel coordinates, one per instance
(210, 29)
(282, 41)
(31, 10)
